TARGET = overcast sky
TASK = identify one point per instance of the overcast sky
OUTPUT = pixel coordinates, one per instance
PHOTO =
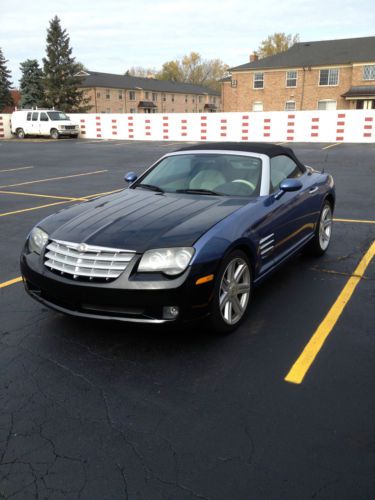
(114, 35)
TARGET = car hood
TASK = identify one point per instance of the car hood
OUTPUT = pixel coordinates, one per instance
(136, 219)
(64, 122)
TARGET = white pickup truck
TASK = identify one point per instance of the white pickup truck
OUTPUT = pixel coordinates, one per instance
(43, 122)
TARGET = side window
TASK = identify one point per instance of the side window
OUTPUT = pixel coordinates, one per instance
(29, 117)
(43, 117)
(282, 167)
(35, 117)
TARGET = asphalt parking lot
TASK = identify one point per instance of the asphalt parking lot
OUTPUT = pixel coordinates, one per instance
(112, 411)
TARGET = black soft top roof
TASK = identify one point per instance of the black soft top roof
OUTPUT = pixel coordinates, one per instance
(264, 148)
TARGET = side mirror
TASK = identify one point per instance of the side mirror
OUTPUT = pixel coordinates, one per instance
(130, 177)
(287, 186)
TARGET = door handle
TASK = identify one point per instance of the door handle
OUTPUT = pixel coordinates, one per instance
(313, 190)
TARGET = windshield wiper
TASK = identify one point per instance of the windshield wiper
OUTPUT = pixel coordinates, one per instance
(151, 187)
(198, 191)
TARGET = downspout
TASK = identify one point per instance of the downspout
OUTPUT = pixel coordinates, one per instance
(96, 104)
(303, 87)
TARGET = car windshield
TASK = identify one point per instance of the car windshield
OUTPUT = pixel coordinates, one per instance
(197, 173)
(57, 115)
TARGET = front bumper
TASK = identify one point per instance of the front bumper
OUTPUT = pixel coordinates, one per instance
(132, 297)
(68, 132)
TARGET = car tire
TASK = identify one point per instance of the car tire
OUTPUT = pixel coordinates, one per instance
(20, 133)
(54, 134)
(323, 231)
(229, 304)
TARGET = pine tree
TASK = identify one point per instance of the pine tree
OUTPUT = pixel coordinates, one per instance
(5, 83)
(31, 84)
(60, 83)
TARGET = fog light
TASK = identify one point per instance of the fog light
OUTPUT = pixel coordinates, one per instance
(170, 312)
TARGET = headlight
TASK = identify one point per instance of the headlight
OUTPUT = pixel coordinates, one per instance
(170, 261)
(62, 127)
(37, 240)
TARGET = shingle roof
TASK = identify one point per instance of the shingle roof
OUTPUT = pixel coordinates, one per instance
(360, 91)
(321, 53)
(108, 80)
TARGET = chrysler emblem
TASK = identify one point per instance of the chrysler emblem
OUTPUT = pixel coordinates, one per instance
(82, 247)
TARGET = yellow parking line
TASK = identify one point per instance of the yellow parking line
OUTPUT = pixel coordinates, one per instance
(102, 194)
(356, 221)
(332, 145)
(54, 178)
(308, 355)
(86, 198)
(69, 198)
(33, 208)
(14, 169)
(10, 282)
(43, 196)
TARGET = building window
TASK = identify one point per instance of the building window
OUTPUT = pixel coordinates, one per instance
(258, 106)
(291, 78)
(258, 80)
(131, 95)
(163, 97)
(193, 99)
(133, 110)
(120, 94)
(154, 110)
(107, 94)
(326, 105)
(108, 110)
(186, 98)
(290, 106)
(214, 99)
(98, 94)
(200, 98)
(154, 96)
(369, 72)
(201, 111)
(172, 97)
(329, 76)
(233, 84)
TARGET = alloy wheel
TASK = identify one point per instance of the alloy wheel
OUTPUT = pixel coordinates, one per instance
(325, 227)
(234, 291)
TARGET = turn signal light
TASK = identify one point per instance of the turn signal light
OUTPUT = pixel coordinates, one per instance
(204, 279)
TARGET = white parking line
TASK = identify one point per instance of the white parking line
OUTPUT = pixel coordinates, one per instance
(14, 169)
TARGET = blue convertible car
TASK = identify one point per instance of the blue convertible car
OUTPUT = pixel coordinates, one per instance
(189, 238)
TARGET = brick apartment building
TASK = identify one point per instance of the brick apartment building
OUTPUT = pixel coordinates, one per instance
(330, 74)
(129, 94)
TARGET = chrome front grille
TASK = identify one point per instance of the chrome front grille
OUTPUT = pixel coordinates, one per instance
(81, 261)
